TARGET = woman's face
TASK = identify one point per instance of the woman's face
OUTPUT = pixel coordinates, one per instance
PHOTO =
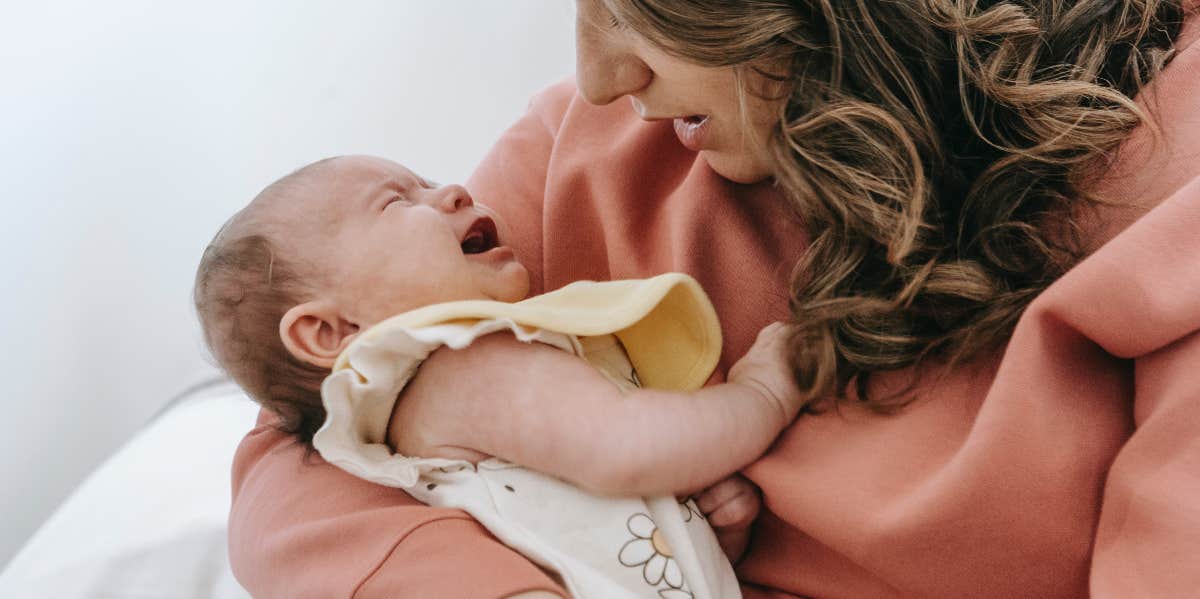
(703, 102)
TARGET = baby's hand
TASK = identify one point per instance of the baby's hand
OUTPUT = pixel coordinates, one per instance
(731, 507)
(765, 368)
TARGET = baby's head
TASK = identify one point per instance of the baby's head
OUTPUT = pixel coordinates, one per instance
(328, 251)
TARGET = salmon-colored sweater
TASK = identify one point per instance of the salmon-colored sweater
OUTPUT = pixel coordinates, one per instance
(1071, 462)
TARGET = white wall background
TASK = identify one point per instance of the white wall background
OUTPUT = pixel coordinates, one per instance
(129, 131)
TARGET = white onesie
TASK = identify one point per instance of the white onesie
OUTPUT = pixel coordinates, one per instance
(598, 547)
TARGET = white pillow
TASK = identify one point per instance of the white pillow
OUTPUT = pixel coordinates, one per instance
(150, 521)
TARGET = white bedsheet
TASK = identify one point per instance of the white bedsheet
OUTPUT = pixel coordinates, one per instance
(150, 522)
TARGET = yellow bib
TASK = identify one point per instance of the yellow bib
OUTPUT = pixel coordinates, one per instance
(666, 323)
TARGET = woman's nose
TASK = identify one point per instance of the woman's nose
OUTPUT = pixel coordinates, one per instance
(605, 68)
(452, 198)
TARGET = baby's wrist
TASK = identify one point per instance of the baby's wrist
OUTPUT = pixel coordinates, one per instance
(775, 405)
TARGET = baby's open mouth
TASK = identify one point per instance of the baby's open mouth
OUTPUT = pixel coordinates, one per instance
(481, 237)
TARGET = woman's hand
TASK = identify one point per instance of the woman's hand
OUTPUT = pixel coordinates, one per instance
(731, 507)
(766, 369)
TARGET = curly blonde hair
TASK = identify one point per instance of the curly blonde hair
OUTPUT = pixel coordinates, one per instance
(936, 151)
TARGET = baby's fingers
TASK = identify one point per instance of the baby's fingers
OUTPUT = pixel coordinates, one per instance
(771, 344)
(731, 503)
(775, 332)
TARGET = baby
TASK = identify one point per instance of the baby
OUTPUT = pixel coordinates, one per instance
(567, 460)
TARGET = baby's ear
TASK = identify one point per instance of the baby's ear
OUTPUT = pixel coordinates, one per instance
(315, 332)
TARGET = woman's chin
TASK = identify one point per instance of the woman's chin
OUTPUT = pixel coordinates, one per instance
(738, 168)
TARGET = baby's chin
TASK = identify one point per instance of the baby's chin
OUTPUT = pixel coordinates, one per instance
(514, 283)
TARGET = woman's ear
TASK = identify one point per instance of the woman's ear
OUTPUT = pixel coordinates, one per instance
(316, 333)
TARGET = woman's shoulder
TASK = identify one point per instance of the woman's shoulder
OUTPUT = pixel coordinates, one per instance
(550, 104)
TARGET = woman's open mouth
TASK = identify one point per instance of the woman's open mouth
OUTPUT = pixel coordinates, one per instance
(692, 131)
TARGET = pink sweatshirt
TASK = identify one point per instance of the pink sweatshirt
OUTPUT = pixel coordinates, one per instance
(1069, 464)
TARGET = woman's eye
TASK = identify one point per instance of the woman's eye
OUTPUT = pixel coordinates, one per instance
(398, 200)
(615, 23)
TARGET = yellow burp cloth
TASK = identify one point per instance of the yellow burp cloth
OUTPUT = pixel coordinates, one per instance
(666, 323)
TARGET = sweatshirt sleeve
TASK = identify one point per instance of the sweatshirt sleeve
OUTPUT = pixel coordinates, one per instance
(1073, 471)
(1148, 536)
(299, 527)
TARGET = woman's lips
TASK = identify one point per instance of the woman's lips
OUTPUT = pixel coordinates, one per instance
(692, 131)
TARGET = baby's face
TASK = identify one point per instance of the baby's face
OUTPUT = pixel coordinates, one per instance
(390, 241)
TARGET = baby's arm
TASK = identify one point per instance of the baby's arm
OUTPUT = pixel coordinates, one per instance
(550, 411)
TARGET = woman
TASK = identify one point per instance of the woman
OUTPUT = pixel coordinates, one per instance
(928, 171)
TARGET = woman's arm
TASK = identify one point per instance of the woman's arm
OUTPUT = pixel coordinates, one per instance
(302, 528)
(545, 409)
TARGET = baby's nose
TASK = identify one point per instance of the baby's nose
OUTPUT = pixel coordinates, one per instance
(452, 198)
